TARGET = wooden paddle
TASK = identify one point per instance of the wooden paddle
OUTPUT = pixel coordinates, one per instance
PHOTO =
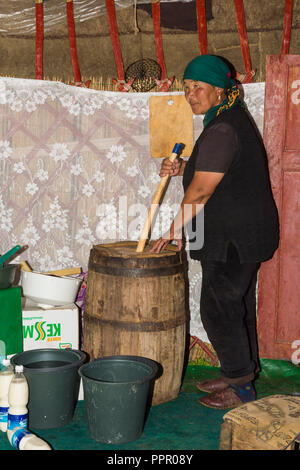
(155, 202)
(64, 272)
(170, 120)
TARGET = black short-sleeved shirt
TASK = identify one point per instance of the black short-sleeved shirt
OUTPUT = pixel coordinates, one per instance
(218, 148)
(241, 210)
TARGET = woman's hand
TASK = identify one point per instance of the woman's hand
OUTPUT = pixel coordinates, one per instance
(163, 241)
(169, 168)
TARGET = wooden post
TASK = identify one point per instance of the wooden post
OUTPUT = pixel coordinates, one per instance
(72, 41)
(114, 35)
(287, 25)
(241, 24)
(39, 39)
(202, 28)
(158, 38)
(164, 83)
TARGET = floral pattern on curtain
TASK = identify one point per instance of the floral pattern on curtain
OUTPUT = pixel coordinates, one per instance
(72, 160)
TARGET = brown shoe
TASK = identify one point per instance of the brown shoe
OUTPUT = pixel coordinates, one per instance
(212, 385)
(221, 400)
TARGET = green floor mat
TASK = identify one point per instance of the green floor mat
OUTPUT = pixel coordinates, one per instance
(275, 377)
(182, 423)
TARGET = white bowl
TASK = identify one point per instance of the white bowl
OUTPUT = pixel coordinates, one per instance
(48, 290)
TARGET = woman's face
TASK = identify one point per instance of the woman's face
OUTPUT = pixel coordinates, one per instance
(202, 96)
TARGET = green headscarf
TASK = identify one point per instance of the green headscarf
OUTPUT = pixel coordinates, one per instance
(213, 70)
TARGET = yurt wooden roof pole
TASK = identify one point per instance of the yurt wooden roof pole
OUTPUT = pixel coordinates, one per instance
(155, 203)
(39, 39)
(287, 25)
(241, 24)
(73, 46)
(114, 35)
(202, 28)
(164, 83)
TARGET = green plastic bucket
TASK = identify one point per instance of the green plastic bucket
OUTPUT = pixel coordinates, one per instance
(116, 391)
(53, 381)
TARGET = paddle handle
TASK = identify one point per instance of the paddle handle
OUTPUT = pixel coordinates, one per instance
(9, 253)
(25, 266)
(15, 253)
(155, 202)
(64, 272)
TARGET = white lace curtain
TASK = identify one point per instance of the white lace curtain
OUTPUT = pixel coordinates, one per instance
(70, 160)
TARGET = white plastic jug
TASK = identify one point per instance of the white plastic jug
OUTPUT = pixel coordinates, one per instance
(23, 439)
(17, 399)
(6, 376)
(18, 435)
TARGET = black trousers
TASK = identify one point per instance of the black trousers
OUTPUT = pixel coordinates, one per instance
(228, 314)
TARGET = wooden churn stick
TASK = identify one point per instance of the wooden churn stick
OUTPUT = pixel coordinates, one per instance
(155, 202)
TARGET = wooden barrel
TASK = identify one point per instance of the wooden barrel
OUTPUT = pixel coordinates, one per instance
(136, 305)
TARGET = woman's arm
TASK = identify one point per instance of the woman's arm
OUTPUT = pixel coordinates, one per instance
(197, 194)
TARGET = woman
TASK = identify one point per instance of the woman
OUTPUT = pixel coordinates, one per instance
(227, 177)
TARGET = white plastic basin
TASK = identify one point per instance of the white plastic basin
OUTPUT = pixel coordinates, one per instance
(48, 290)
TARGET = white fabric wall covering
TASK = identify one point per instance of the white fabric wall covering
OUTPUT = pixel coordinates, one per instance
(72, 160)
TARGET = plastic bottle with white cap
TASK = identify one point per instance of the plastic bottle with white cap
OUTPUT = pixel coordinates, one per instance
(17, 398)
(23, 439)
(18, 435)
(6, 375)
